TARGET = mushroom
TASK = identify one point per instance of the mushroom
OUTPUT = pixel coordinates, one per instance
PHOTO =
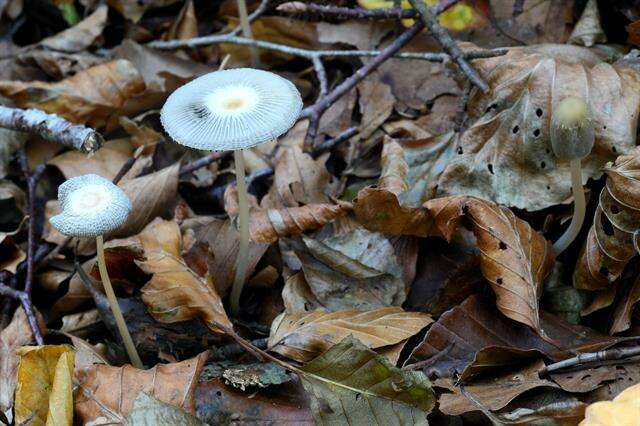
(572, 138)
(91, 207)
(233, 110)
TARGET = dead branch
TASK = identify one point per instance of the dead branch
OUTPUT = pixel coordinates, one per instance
(590, 357)
(27, 305)
(51, 127)
(430, 19)
(337, 12)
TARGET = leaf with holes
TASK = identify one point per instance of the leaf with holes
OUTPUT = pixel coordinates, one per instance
(351, 384)
(611, 239)
(506, 156)
(304, 335)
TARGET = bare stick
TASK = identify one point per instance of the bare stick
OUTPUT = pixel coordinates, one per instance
(448, 44)
(203, 162)
(461, 113)
(327, 145)
(27, 305)
(115, 307)
(604, 355)
(337, 12)
(51, 127)
(243, 216)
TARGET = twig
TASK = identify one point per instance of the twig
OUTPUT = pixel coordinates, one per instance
(328, 144)
(337, 12)
(260, 10)
(461, 113)
(604, 355)
(51, 127)
(448, 44)
(27, 305)
(203, 161)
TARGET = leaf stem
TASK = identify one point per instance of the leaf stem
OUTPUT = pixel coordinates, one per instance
(243, 251)
(115, 307)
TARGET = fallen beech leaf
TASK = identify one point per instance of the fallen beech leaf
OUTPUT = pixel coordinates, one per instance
(107, 393)
(475, 331)
(268, 226)
(376, 103)
(80, 36)
(44, 392)
(106, 162)
(60, 65)
(351, 384)
(304, 335)
(186, 24)
(513, 257)
(134, 9)
(148, 410)
(175, 292)
(492, 393)
(624, 310)
(611, 239)
(16, 334)
(624, 410)
(93, 96)
(506, 156)
(585, 380)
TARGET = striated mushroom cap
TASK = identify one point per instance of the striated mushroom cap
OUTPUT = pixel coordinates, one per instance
(231, 109)
(91, 205)
(572, 134)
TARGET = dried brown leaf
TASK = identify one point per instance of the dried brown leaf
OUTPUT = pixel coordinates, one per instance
(105, 394)
(106, 162)
(175, 292)
(93, 96)
(624, 310)
(134, 9)
(304, 335)
(80, 36)
(16, 334)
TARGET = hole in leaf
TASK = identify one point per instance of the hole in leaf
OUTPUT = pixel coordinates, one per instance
(492, 106)
(586, 376)
(502, 246)
(490, 167)
(548, 151)
(613, 149)
(604, 127)
(603, 271)
(548, 188)
(499, 281)
(459, 150)
(516, 129)
(543, 165)
(536, 132)
(615, 209)
(539, 112)
(606, 225)
(218, 393)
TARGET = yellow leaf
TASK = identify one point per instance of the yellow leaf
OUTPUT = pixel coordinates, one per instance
(44, 393)
(624, 410)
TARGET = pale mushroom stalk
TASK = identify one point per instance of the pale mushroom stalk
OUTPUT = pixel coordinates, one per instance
(572, 138)
(246, 30)
(579, 208)
(115, 307)
(243, 217)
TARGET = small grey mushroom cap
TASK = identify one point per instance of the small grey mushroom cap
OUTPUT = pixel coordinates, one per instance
(231, 109)
(572, 133)
(90, 206)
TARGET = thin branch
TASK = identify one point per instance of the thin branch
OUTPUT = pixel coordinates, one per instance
(203, 161)
(327, 145)
(337, 12)
(260, 10)
(448, 44)
(461, 113)
(27, 306)
(51, 127)
(589, 357)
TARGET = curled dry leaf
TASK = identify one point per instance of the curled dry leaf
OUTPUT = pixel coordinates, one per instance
(268, 226)
(81, 35)
(44, 392)
(304, 335)
(93, 96)
(624, 311)
(351, 384)
(612, 237)
(107, 393)
(176, 292)
(514, 258)
(16, 334)
(506, 156)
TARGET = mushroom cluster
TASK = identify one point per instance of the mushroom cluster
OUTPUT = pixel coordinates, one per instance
(233, 110)
(91, 207)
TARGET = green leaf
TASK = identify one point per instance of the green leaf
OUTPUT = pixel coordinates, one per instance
(148, 410)
(351, 384)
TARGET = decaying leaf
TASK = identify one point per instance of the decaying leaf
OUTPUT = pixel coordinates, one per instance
(148, 410)
(506, 156)
(134, 9)
(80, 36)
(304, 335)
(176, 292)
(16, 334)
(624, 311)
(106, 162)
(612, 238)
(93, 96)
(105, 394)
(351, 384)
(44, 391)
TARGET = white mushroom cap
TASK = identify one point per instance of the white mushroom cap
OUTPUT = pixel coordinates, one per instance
(231, 109)
(91, 205)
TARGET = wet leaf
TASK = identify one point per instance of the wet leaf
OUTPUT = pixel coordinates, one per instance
(148, 410)
(175, 292)
(44, 392)
(16, 334)
(93, 96)
(506, 156)
(106, 394)
(611, 239)
(352, 384)
(304, 335)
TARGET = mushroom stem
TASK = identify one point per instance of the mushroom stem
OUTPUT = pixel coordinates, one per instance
(243, 251)
(579, 208)
(246, 30)
(115, 308)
